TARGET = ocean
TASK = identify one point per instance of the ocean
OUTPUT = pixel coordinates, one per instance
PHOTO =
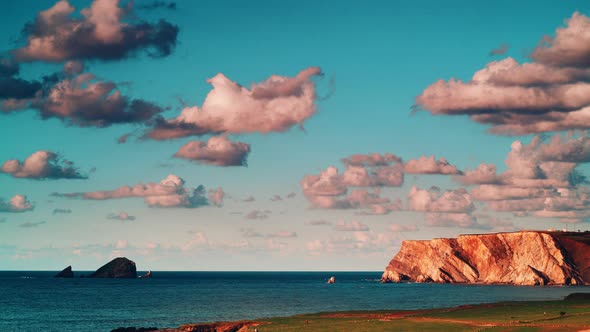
(34, 301)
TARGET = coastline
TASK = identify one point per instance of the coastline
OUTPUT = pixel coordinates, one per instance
(569, 314)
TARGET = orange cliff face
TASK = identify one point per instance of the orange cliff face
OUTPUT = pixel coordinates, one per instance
(519, 258)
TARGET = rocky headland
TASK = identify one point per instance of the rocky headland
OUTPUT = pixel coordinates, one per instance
(517, 258)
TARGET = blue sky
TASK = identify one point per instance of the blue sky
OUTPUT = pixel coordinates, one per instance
(380, 57)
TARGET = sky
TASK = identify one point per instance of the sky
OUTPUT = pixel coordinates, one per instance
(265, 135)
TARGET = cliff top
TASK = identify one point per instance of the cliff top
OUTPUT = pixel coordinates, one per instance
(583, 237)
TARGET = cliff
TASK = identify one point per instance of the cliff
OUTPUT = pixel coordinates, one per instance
(519, 258)
(120, 267)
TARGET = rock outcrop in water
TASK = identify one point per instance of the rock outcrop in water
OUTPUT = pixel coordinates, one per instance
(65, 273)
(519, 258)
(120, 267)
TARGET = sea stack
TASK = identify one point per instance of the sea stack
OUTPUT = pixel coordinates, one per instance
(517, 258)
(120, 267)
(65, 273)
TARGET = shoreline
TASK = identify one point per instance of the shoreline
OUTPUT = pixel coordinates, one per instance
(569, 314)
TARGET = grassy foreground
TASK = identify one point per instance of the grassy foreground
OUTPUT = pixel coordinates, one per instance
(570, 315)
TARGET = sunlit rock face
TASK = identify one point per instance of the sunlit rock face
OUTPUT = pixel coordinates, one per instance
(519, 258)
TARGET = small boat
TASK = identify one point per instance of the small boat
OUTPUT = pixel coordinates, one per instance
(331, 280)
(147, 275)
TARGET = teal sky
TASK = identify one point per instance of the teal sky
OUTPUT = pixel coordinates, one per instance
(376, 59)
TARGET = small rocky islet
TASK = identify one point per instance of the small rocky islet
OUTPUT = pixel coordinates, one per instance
(119, 268)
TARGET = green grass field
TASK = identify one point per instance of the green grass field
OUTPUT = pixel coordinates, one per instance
(573, 315)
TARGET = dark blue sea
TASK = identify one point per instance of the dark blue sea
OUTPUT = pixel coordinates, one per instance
(34, 301)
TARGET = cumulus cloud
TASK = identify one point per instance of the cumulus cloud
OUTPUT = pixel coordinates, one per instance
(216, 197)
(274, 105)
(429, 165)
(83, 100)
(104, 31)
(451, 201)
(548, 94)
(483, 174)
(541, 179)
(170, 192)
(327, 183)
(42, 165)
(329, 189)
(571, 148)
(18, 203)
(218, 151)
(569, 46)
(353, 226)
(121, 216)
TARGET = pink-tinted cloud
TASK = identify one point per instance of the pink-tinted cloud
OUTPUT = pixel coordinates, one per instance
(353, 226)
(327, 183)
(18, 203)
(328, 189)
(569, 47)
(83, 100)
(371, 160)
(275, 105)
(568, 149)
(198, 241)
(42, 165)
(386, 207)
(169, 192)
(498, 193)
(257, 214)
(429, 165)
(104, 31)
(451, 201)
(216, 197)
(483, 174)
(218, 151)
(548, 94)
(364, 198)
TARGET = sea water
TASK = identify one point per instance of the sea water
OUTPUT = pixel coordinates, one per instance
(34, 301)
